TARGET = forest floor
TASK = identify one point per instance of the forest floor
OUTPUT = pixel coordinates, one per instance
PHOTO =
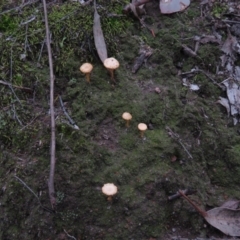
(191, 142)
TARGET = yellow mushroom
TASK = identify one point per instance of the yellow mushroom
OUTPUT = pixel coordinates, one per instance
(109, 189)
(111, 64)
(127, 117)
(142, 128)
(86, 68)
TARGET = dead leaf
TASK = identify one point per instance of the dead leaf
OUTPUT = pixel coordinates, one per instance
(172, 6)
(98, 36)
(228, 46)
(209, 38)
(237, 73)
(233, 204)
(233, 94)
(225, 103)
(227, 220)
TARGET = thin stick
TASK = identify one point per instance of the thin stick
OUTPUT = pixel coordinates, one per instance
(15, 116)
(51, 188)
(18, 8)
(10, 86)
(201, 211)
(40, 54)
(230, 21)
(26, 186)
(206, 74)
(177, 138)
(15, 86)
(30, 122)
(35, 195)
(69, 235)
(67, 115)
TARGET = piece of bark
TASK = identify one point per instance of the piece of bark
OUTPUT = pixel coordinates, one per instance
(144, 54)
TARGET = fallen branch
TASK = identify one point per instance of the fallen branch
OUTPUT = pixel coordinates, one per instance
(51, 188)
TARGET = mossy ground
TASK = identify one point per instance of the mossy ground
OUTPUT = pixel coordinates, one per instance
(103, 150)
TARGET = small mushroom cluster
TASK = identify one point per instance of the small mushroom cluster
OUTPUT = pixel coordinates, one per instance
(110, 189)
(111, 64)
(142, 127)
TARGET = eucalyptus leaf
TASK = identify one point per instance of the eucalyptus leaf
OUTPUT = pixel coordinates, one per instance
(226, 219)
(98, 35)
(172, 6)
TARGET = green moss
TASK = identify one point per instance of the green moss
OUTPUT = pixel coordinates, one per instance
(7, 23)
(103, 150)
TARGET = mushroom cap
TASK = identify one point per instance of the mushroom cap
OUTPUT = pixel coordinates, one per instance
(126, 116)
(142, 126)
(109, 189)
(86, 68)
(111, 63)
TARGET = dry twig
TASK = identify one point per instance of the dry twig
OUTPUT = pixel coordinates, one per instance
(15, 86)
(18, 8)
(69, 235)
(196, 70)
(51, 188)
(67, 115)
(34, 194)
(176, 137)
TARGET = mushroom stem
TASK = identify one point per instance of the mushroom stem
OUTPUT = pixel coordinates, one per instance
(127, 123)
(141, 134)
(109, 198)
(111, 74)
(87, 75)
